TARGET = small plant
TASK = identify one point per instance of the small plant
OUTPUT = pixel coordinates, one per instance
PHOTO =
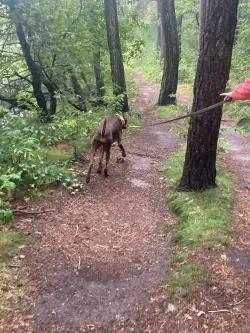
(180, 257)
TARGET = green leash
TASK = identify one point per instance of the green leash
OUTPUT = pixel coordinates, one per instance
(191, 114)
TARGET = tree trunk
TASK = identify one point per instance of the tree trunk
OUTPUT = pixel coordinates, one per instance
(100, 91)
(179, 27)
(79, 92)
(116, 60)
(202, 18)
(34, 69)
(171, 54)
(159, 32)
(53, 100)
(211, 77)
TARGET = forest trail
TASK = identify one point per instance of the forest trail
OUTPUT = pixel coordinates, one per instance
(96, 258)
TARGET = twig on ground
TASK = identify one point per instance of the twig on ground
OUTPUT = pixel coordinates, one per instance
(234, 304)
(217, 311)
(75, 234)
(79, 263)
(14, 266)
(19, 211)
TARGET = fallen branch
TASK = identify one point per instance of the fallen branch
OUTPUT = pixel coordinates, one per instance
(19, 211)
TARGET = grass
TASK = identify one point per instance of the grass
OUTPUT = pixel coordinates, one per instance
(204, 219)
(169, 111)
(186, 279)
(180, 257)
(10, 283)
(9, 242)
(56, 155)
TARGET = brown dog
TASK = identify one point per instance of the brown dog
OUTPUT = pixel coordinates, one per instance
(108, 132)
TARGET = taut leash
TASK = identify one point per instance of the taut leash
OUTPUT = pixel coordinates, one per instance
(191, 114)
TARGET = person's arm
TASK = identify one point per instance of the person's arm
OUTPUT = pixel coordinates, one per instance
(240, 93)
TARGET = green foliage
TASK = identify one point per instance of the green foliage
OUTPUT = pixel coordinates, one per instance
(187, 277)
(24, 163)
(204, 217)
(241, 112)
(240, 70)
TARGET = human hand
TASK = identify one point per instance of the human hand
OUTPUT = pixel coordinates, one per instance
(228, 97)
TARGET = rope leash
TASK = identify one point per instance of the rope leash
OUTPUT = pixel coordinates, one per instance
(191, 114)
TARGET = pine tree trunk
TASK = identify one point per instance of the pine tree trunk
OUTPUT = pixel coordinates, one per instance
(202, 18)
(79, 92)
(179, 27)
(159, 32)
(211, 77)
(171, 53)
(100, 91)
(115, 51)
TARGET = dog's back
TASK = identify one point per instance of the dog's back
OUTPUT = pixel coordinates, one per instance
(109, 130)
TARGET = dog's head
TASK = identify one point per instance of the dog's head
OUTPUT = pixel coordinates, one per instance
(123, 121)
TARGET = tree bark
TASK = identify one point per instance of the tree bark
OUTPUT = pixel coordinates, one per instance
(179, 27)
(171, 53)
(159, 28)
(100, 91)
(34, 69)
(202, 18)
(115, 51)
(79, 92)
(213, 67)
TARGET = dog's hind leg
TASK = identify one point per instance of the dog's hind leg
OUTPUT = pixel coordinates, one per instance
(99, 170)
(92, 155)
(107, 157)
(121, 147)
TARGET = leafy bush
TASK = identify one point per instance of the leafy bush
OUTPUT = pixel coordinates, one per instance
(21, 161)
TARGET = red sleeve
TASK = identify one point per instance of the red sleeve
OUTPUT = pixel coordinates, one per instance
(242, 91)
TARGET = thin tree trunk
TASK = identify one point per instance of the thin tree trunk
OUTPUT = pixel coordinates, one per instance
(100, 91)
(79, 92)
(211, 77)
(179, 27)
(34, 69)
(159, 32)
(115, 51)
(171, 53)
(202, 18)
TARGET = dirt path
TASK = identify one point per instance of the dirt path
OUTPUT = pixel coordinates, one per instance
(238, 164)
(97, 257)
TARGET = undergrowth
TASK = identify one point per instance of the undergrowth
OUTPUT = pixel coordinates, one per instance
(241, 112)
(204, 219)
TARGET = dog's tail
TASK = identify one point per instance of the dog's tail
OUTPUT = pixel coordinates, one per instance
(102, 138)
